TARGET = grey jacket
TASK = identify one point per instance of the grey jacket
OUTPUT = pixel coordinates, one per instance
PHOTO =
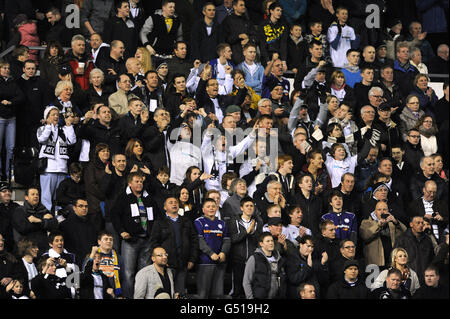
(408, 121)
(96, 12)
(147, 282)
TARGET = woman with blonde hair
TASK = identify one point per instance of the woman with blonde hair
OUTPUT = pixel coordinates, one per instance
(399, 260)
(340, 89)
(143, 55)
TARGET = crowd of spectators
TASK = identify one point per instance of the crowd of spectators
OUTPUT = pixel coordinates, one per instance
(226, 149)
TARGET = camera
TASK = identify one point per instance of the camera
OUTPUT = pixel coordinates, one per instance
(384, 216)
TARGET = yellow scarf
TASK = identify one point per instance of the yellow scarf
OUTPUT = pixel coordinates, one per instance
(169, 23)
(118, 289)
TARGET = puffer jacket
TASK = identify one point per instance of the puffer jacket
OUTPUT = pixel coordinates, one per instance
(30, 38)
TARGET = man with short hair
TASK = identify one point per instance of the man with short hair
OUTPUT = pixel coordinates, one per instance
(178, 237)
(151, 93)
(179, 63)
(427, 173)
(433, 289)
(80, 61)
(307, 291)
(350, 285)
(33, 219)
(404, 72)
(133, 66)
(418, 246)
(327, 241)
(79, 232)
(392, 288)
(366, 168)
(58, 30)
(440, 61)
(134, 122)
(121, 27)
(161, 30)
(273, 76)
(347, 249)
(214, 244)
(155, 280)
(413, 150)
(361, 89)
(238, 30)
(253, 70)
(314, 61)
(64, 260)
(415, 33)
(391, 91)
(112, 64)
(244, 233)
(295, 231)
(118, 101)
(369, 59)
(133, 215)
(351, 70)
(98, 47)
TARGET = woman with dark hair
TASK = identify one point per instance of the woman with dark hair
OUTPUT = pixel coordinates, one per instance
(194, 182)
(314, 167)
(136, 159)
(93, 175)
(428, 134)
(186, 206)
(49, 66)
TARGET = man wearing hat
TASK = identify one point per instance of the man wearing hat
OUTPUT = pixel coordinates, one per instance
(350, 286)
(381, 56)
(390, 134)
(282, 245)
(7, 207)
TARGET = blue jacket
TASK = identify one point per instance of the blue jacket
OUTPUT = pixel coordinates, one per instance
(255, 80)
(346, 225)
(213, 64)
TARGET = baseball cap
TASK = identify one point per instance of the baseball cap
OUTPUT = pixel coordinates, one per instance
(64, 69)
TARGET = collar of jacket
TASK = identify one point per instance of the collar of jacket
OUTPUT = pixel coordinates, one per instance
(129, 191)
(39, 208)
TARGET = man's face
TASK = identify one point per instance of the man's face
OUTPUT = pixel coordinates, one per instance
(81, 208)
(29, 69)
(381, 208)
(381, 193)
(296, 31)
(277, 68)
(287, 166)
(239, 8)
(348, 183)
(416, 29)
(181, 50)
(273, 190)
(136, 107)
(385, 167)
(276, 13)
(210, 11)
(342, 15)
(265, 108)
(349, 250)
(351, 273)
(296, 216)
(428, 166)
(429, 191)
(369, 54)
(152, 80)
(388, 74)
(134, 66)
(277, 93)
(124, 10)
(268, 243)
(216, 197)
(124, 83)
(382, 52)
(306, 248)
(353, 58)
(104, 115)
(118, 49)
(136, 184)
(308, 293)
(209, 209)
(403, 54)
(417, 224)
(229, 122)
(368, 114)
(227, 53)
(336, 202)
(52, 18)
(171, 205)
(212, 88)
(367, 75)
(58, 244)
(275, 230)
(414, 137)
(431, 279)
(329, 231)
(316, 51)
(169, 9)
(96, 41)
(105, 243)
(160, 257)
(250, 54)
(316, 28)
(393, 282)
(33, 197)
(397, 154)
(180, 83)
(78, 47)
(5, 195)
(248, 208)
(443, 52)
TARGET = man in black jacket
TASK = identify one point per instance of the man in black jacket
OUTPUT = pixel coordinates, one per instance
(238, 30)
(176, 234)
(133, 215)
(79, 232)
(204, 42)
(34, 220)
(350, 285)
(7, 208)
(432, 289)
(121, 27)
(427, 173)
(133, 123)
(112, 64)
(58, 30)
(418, 246)
(179, 63)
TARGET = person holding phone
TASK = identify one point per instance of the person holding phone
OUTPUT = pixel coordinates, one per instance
(379, 233)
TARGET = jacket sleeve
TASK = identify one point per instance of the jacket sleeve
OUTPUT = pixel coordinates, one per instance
(141, 285)
(369, 230)
(70, 134)
(146, 29)
(115, 214)
(295, 273)
(248, 277)
(43, 133)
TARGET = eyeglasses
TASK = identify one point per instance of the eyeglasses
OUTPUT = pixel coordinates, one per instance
(162, 255)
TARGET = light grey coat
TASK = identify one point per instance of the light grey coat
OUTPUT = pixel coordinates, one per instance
(147, 282)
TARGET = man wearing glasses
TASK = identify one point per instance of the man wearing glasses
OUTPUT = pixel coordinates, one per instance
(347, 249)
(156, 280)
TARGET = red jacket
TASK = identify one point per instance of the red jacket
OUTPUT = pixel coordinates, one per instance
(81, 79)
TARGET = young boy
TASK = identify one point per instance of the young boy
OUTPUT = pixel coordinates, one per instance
(297, 48)
(69, 190)
(341, 37)
(315, 28)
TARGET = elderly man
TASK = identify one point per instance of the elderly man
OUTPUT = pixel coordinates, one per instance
(416, 60)
(428, 206)
(272, 196)
(404, 72)
(415, 33)
(439, 63)
(80, 61)
(118, 101)
(393, 288)
(427, 173)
